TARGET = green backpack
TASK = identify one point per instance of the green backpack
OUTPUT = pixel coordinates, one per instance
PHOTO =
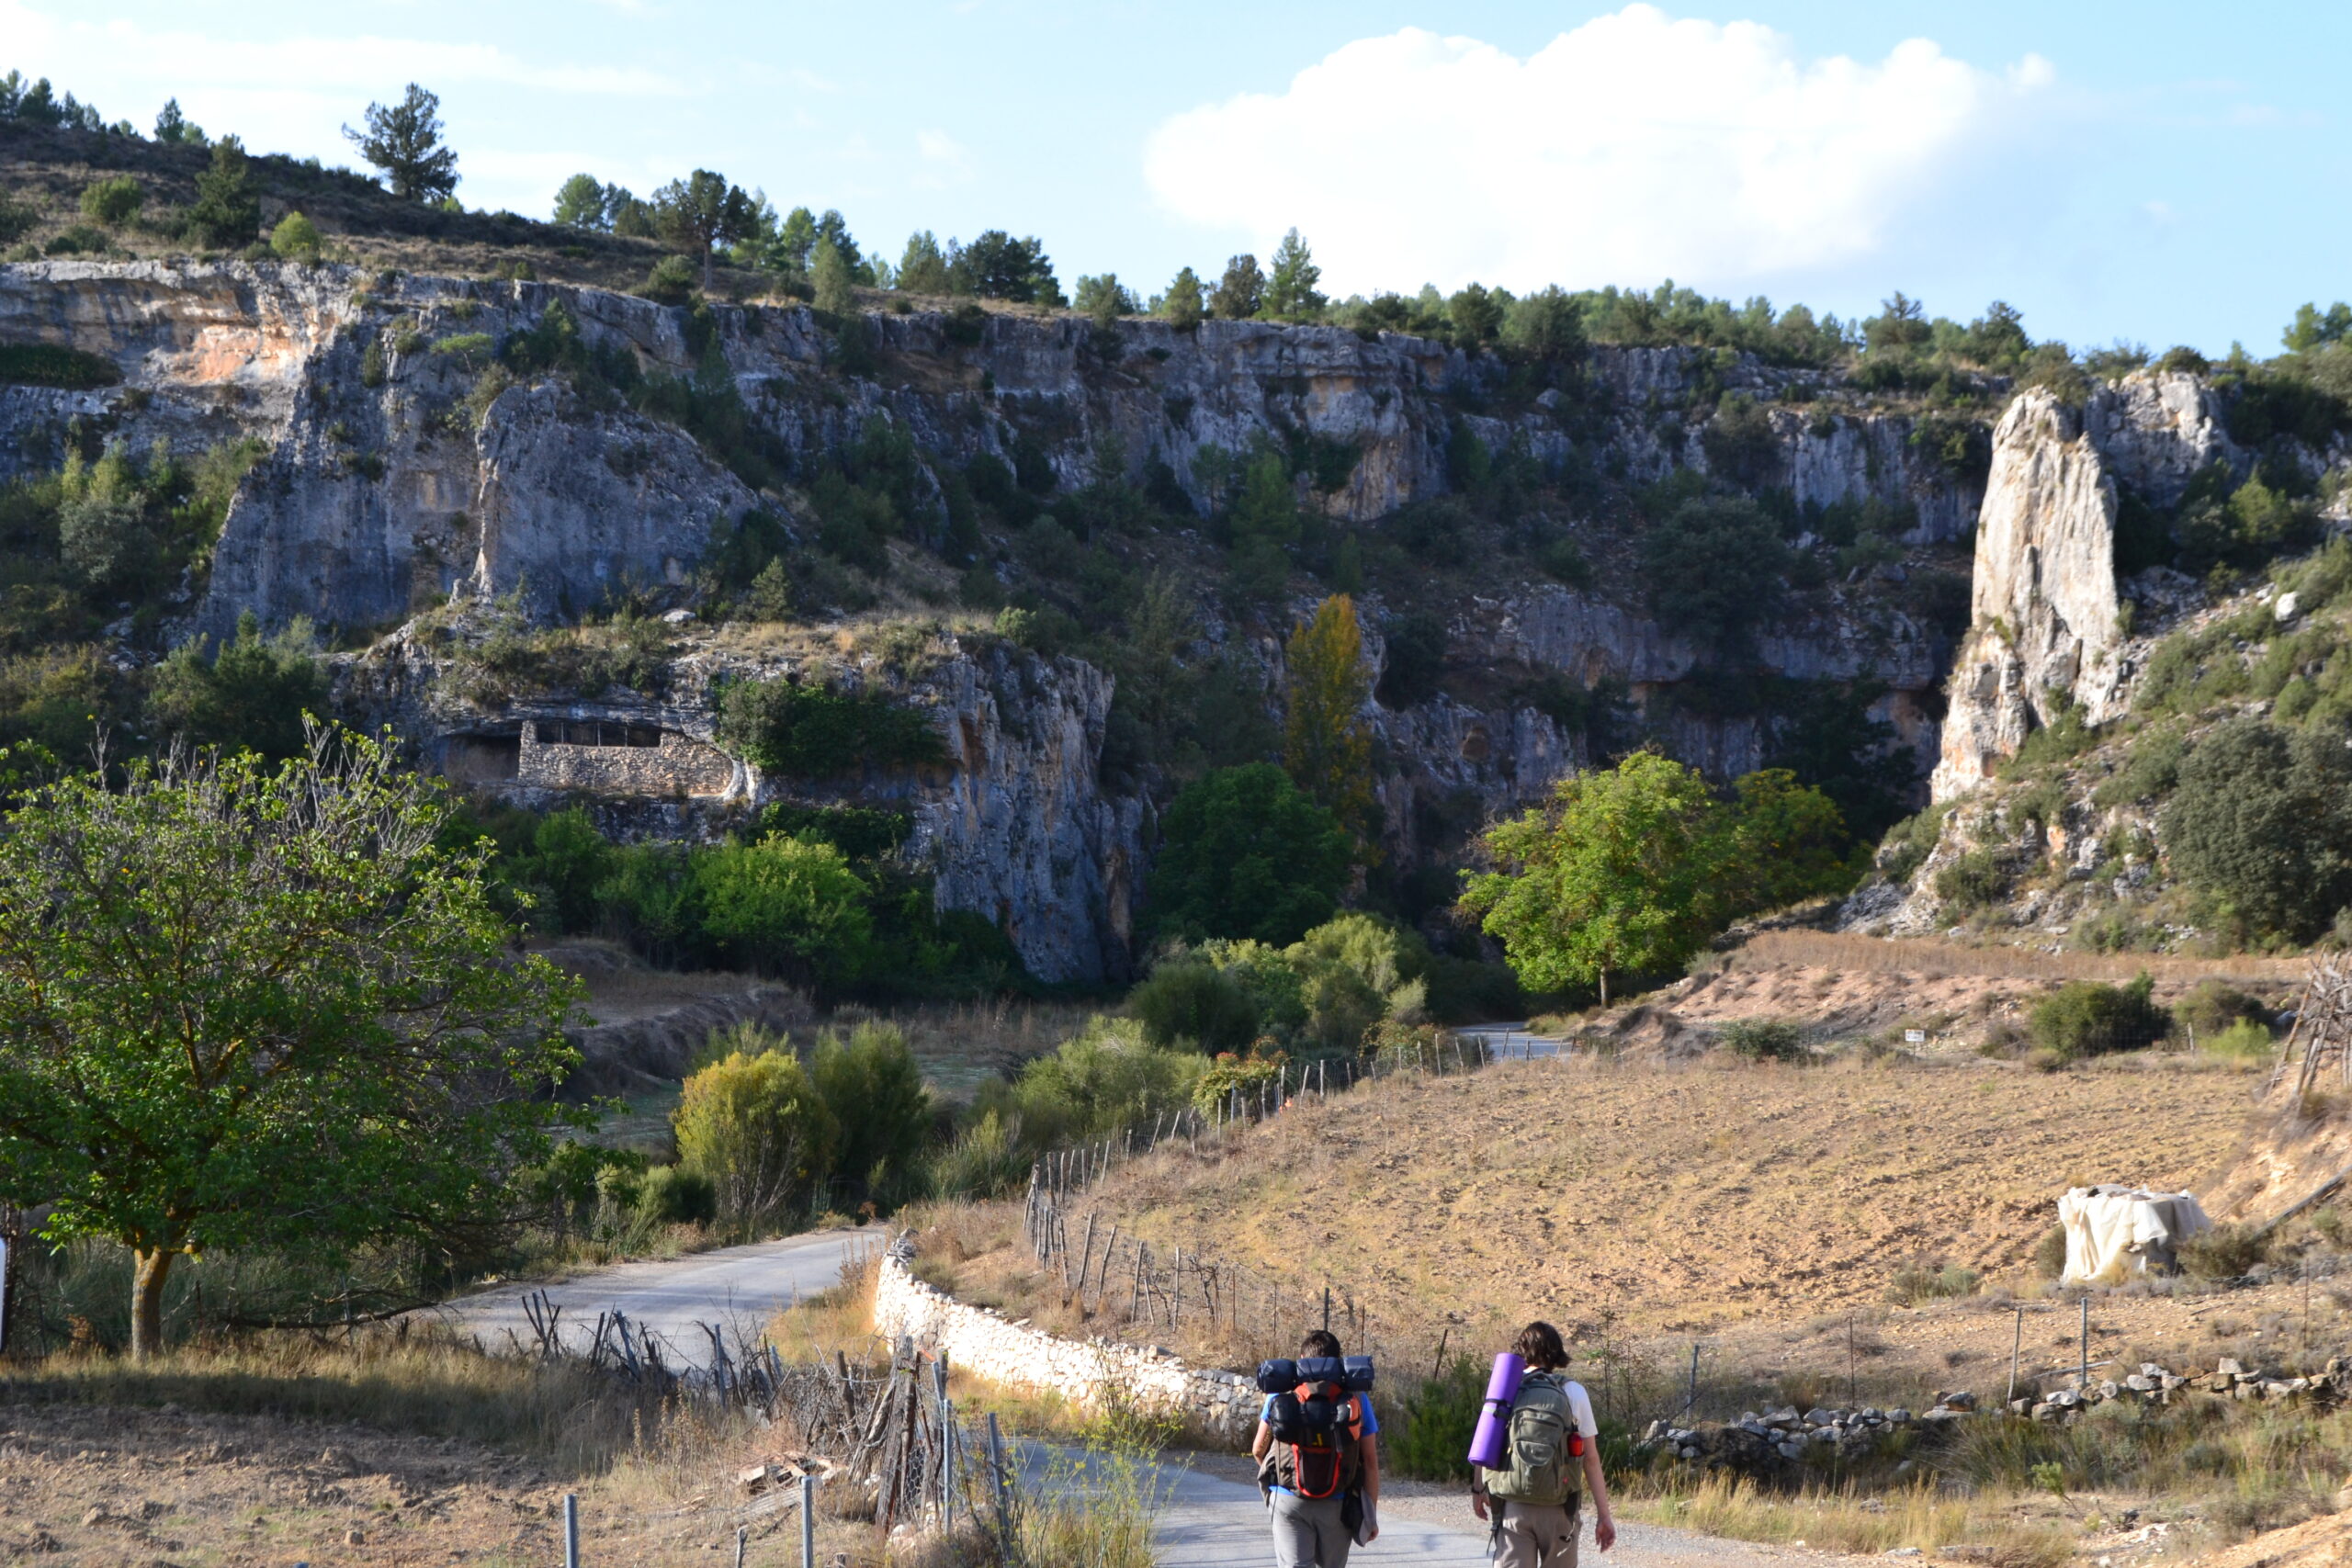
(1542, 1445)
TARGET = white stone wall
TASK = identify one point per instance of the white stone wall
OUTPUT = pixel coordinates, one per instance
(984, 1342)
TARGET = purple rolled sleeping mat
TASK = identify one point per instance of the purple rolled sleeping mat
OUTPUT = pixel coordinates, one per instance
(1494, 1414)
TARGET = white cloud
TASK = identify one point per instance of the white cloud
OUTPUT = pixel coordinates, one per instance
(1631, 148)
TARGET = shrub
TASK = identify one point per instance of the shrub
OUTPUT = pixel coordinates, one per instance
(112, 201)
(2226, 1252)
(2084, 1017)
(985, 1161)
(252, 695)
(1763, 1040)
(673, 1195)
(756, 1128)
(785, 906)
(2243, 1040)
(2262, 822)
(296, 238)
(47, 364)
(1436, 1419)
(1195, 1004)
(1713, 566)
(874, 1092)
(1974, 880)
(816, 733)
(2215, 1005)
(1246, 854)
(2050, 1253)
(672, 281)
(1107, 1079)
(1924, 1282)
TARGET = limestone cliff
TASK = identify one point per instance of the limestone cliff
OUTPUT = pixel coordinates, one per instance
(2045, 624)
(408, 468)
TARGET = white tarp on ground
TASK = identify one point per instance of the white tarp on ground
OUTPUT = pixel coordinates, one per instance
(2113, 1232)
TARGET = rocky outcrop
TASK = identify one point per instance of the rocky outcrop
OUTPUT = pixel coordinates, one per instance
(2045, 629)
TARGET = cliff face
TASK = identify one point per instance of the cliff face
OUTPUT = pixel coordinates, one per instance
(2045, 625)
(404, 469)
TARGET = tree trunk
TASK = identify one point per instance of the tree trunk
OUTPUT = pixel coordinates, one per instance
(154, 1265)
(706, 267)
(1604, 988)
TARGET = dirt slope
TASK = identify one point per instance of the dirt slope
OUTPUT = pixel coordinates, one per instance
(1689, 1196)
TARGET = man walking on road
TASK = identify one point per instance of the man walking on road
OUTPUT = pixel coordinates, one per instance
(1531, 1505)
(1311, 1529)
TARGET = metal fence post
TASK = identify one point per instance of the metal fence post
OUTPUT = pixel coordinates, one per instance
(572, 1529)
(1003, 1497)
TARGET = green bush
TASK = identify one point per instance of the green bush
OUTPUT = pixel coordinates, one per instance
(1245, 854)
(784, 907)
(296, 238)
(2243, 1040)
(47, 364)
(113, 201)
(1196, 1005)
(2262, 822)
(1714, 566)
(1974, 880)
(1763, 1040)
(2226, 1252)
(253, 694)
(813, 732)
(755, 1126)
(986, 1160)
(2214, 1005)
(1106, 1079)
(1436, 1418)
(2084, 1017)
(2050, 1253)
(874, 1092)
(674, 1195)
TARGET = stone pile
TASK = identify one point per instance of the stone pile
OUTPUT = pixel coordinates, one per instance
(1775, 1441)
(2154, 1384)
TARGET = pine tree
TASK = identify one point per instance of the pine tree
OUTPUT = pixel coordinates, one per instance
(1290, 293)
(404, 140)
(1327, 744)
(1182, 306)
(226, 211)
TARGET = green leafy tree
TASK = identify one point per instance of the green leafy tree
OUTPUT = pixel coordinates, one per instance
(1327, 741)
(1241, 292)
(1608, 875)
(1245, 854)
(175, 129)
(785, 906)
(257, 694)
(226, 211)
(1183, 305)
(2261, 821)
(923, 265)
(114, 200)
(253, 1007)
(296, 238)
(579, 203)
(796, 238)
(1547, 325)
(1105, 298)
(1776, 843)
(2313, 328)
(702, 213)
(1476, 315)
(1291, 293)
(1713, 566)
(1195, 1004)
(874, 1089)
(757, 1128)
(404, 142)
(568, 859)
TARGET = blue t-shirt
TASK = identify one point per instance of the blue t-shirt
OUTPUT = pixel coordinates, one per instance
(1364, 1403)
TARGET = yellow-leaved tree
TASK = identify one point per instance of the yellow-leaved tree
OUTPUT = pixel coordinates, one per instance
(1326, 742)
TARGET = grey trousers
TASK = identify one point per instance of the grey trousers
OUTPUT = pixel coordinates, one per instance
(1308, 1532)
(1535, 1538)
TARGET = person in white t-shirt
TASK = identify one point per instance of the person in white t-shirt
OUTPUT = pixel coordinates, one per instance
(1527, 1535)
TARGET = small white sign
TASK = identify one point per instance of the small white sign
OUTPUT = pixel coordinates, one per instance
(1915, 1037)
(3, 1292)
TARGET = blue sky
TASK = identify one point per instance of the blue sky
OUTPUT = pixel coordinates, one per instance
(2157, 172)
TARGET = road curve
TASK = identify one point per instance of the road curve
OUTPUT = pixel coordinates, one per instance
(731, 1288)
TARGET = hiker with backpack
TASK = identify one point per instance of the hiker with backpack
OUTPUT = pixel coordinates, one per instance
(1317, 1462)
(1531, 1503)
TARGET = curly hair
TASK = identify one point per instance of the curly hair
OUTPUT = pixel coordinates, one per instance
(1540, 1346)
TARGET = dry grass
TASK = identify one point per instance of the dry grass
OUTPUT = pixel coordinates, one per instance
(1850, 1521)
(1933, 959)
(391, 1451)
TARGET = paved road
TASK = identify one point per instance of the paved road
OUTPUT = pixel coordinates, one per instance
(1511, 1042)
(732, 1287)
